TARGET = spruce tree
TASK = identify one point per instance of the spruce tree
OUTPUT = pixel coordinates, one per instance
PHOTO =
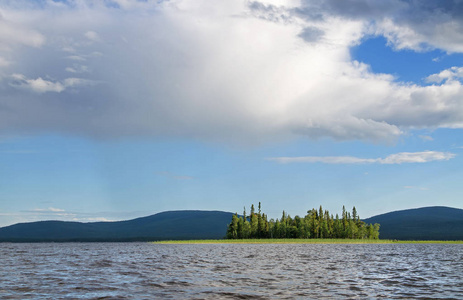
(315, 224)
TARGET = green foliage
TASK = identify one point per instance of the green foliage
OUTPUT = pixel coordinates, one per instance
(317, 224)
(303, 241)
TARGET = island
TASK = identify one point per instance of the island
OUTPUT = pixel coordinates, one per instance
(316, 224)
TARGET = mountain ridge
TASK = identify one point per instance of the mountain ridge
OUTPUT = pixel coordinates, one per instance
(425, 223)
(181, 224)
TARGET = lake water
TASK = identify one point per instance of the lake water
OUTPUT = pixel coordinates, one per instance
(271, 271)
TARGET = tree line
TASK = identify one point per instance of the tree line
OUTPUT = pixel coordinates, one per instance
(317, 224)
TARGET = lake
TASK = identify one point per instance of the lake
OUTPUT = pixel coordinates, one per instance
(227, 271)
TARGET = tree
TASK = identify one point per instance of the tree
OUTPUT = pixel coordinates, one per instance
(266, 226)
(337, 228)
(283, 226)
(373, 231)
(246, 229)
(354, 214)
(254, 226)
(260, 224)
(232, 232)
(315, 224)
(277, 229)
(240, 230)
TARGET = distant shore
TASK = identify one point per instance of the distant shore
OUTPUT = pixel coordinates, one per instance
(303, 241)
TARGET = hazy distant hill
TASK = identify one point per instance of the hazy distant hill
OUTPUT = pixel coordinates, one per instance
(161, 226)
(427, 223)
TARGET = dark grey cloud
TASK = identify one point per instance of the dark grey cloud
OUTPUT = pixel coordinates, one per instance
(355, 8)
(400, 10)
(270, 12)
(412, 24)
(311, 34)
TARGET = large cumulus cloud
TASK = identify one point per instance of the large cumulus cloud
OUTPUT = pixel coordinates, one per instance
(234, 70)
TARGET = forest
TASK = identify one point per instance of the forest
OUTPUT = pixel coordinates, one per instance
(317, 224)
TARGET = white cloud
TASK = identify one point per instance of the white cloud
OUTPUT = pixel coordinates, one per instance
(13, 32)
(426, 138)
(398, 158)
(449, 74)
(77, 57)
(48, 210)
(324, 159)
(233, 71)
(40, 85)
(93, 219)
(416, 157)
(79, 69)
(52, 213)
(45, 214)
(93, 36)
(4, 62)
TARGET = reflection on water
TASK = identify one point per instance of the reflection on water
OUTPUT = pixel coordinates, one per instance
(147, 271)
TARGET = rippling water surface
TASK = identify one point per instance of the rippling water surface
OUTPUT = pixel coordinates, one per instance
(305, 271)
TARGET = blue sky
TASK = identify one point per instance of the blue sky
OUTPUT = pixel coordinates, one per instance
(117, 109)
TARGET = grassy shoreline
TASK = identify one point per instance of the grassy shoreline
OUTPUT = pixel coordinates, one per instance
(302, 241)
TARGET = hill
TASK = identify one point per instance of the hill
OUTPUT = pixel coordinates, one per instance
(171, 225)
(427, 223)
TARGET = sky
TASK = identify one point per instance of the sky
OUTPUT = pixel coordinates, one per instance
(116, 109)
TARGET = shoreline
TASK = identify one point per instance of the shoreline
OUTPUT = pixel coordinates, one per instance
(300, 241)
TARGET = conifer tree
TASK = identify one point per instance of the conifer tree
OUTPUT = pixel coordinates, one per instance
(240, 228)
(232, 232)
(260, 224)
(283, 226)
(354, 215)
(337, 227)
(246, 229)
(277, 229)
(315, 224)
(254, 226)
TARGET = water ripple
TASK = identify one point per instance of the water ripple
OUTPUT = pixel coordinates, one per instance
(147, 271)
